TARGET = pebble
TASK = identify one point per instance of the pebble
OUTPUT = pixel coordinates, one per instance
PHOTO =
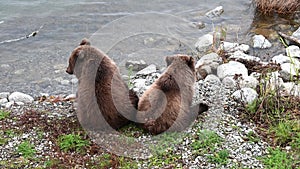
(246, 95)
(215, 12)
(259, 41)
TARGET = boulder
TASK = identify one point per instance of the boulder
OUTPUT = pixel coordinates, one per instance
(293, 51)
(20, 97)
(204, 43)
(242, 55)
(148, 70)
(230, 69)
(246, 95)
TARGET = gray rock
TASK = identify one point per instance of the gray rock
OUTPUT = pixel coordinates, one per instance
(229, 82)
(3, 101)
(215, 12)
(204, 43)
(296, 34)
(4, 95)
(212, 79)
(74, 81)
(20, 97)
(148, 70)
(136, 65)
(280, 59)
(259, 41)
(246, 95)
(249, 82)
(65, 82)
(139, 83)
(213, 60)
(242, 55)
(288, 70)
(231, 68)
(293, 51)
(232, 47)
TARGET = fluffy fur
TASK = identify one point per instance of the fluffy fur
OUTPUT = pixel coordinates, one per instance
(103, 98)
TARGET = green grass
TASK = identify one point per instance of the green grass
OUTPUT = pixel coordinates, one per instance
(206, 139)
(4, 114)
(26, 149)
(220, 157)
(72, 142)
(277, 159)
(253, 137)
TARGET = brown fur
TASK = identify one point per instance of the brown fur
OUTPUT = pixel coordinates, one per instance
(277, 6)
(103, 98)
(166, 104)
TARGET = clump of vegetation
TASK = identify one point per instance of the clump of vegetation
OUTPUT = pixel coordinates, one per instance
(206, 140)
(277, 159)
(72, 142)
(4, 114)
(26, 149)
(220, 157)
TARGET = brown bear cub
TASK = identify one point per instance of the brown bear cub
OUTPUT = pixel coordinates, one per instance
(103, 98)
(165, 106)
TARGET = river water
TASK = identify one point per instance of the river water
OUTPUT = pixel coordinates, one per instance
(124, 29)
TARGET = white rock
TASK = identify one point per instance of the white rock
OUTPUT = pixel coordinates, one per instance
(259, 41)
(242, 55)
(212, 79)
(215, 12)
(246, 95)
(139, 83)
(70, 96)
(213, 60)
(9, 104)
(4, 95)
(135, 65)
(64, 82)
(280, 59)
(19, 103)
(229, 82)
(204, 43)
(20, 97)
(231, 68)
(293, 51)
(232, 47)
(3, 101)
(148, 70)
(243, 47)
(74, 81)
(296, 34)
(249, 82)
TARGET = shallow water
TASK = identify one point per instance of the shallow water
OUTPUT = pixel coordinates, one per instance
(124, 29)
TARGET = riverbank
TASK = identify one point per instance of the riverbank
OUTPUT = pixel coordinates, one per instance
(43, 132)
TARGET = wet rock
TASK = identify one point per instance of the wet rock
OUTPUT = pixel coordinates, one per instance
(4, 95)
(198, 25)
(246, 95)
(249, 82)
(213, 60)
(204, 43)
(136, 65)
(148, 70)
(288, 71)
(293, 51)
(231, 68)
(259, 41)
(20, 97)
(215, 12)
(242, 55)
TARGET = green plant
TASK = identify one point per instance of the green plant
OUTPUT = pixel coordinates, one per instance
(277, 159)
(72, 142)
(253, 137)
(283, 132)
(206, 139)
(220, 157)
(4, 114)
(26, 149)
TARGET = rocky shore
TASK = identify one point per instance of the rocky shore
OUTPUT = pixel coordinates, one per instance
(224, 84)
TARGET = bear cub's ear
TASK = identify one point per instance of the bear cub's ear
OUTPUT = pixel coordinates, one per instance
(85, 41)
(169, 60)
(190, 62)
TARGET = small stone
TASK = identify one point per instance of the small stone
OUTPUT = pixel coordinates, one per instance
(215, 12)
(247, 95)
(20, 97)
(3, 101)
(4, 95)
(231, 68)
(242, 55)
(9, 104)
(70, 97)
(249, 81)
(259, 41)
(19, 103)
(212, 79)
(291, 89)
(74, 81)
(148, 70)
(293, 51)
(280, 59)
(139, 83)
(198, 25)
(288, 70)
(204, 43)
(229, 82)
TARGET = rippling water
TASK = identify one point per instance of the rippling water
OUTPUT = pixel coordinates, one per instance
(123, 29)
